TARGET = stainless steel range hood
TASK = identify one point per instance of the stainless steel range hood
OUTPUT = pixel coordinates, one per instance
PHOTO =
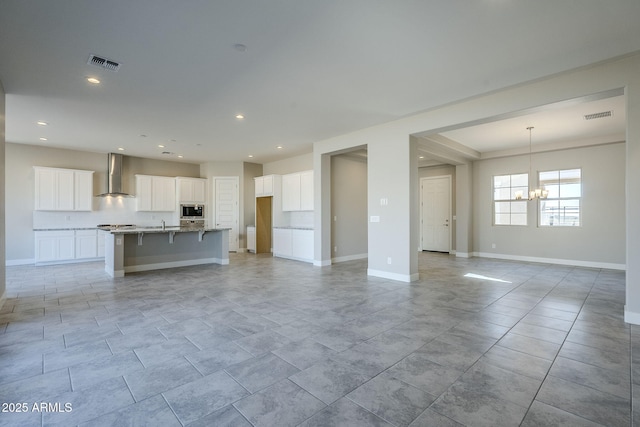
(114, 177)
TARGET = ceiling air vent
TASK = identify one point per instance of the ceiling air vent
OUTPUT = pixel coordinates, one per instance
(103, 63)
(598, 115)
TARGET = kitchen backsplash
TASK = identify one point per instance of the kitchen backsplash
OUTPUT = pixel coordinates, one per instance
(301, 219)
(107, 210)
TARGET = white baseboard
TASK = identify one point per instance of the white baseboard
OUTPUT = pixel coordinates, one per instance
(394, 276)
(70, 261)
(572, 262)
(463, 255)
(349, 258)
(3, 298)
(241, 250)
(12, 262)
(631, 316)
(322, 263)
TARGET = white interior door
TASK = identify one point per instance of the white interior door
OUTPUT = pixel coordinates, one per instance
(435, 201)
(227, 212)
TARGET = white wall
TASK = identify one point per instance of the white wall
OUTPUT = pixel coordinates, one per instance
(3, 226)
(598, 242)
(20, 193)
(349, 207)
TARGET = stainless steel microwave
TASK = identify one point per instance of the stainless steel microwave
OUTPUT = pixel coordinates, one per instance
(191, 212)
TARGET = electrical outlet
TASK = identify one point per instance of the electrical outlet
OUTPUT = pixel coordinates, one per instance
(389, 260)
(493, 246)
(335, 249)
(375, 218)
(335, 218)
(68, 217)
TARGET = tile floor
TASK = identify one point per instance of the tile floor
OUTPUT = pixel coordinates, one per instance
(272, 342)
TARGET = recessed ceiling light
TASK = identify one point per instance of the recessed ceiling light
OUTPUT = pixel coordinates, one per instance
(42, 123)
(180, 156)
(239, 116)
(120, 149)
(93, 80)
(43, 139)
(143, 136)
(421, 157)
(279, 147)
(240, 47)
(250, 155)
(160, 146)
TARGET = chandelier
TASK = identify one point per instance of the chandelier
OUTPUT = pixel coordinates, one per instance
(538, 193)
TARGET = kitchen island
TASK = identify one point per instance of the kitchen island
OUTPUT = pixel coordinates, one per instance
(154, 248)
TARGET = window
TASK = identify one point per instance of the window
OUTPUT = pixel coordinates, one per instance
(508, 206)
(562, 205)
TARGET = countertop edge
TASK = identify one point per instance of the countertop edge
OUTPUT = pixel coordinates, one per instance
(166, 230)
(294, 228)
(66, 229)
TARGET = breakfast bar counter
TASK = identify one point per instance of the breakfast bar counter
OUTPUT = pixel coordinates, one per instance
(153, 248)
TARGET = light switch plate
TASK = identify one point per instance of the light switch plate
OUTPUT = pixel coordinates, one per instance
(375, 218)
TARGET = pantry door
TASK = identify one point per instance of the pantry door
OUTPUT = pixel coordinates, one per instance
(227, 212)
(435, 204)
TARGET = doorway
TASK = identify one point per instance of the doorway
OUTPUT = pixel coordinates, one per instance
(226, 214)
(435, 213)
(263, 225)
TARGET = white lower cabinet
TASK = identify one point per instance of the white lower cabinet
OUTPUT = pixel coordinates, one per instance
(293, 244)
(302, 244)
(55, 245)
(282, 242)
(251, 239)
(101, 236)
(86, 244)
(67, 245)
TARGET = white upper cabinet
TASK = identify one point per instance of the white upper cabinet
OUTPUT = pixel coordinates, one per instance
(265, 185)
(297, 191)
(63, 189)
(306, 191)
(155, 193)
(192, 190)
(291, 192)
(143, 192)
(83, 190)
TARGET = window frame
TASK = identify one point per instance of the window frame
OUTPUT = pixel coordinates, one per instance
(512, 200)
(560, 199)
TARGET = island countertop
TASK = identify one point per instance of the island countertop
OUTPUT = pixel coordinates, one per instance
(174, 229)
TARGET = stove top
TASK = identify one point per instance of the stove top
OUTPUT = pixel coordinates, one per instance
(116, 226)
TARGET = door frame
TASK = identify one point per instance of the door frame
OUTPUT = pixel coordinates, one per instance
(422, 181)
(212, 216)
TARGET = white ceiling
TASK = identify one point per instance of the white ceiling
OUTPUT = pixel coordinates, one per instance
(552, 124)
(312, 70)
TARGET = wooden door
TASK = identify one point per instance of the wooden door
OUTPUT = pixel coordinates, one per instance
(263, 225)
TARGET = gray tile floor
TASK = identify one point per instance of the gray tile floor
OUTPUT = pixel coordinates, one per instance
(272, 342)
